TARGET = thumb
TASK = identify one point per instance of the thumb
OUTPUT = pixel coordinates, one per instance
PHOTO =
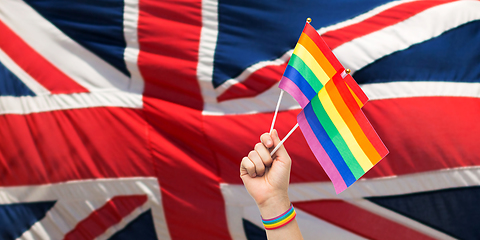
(281, 153)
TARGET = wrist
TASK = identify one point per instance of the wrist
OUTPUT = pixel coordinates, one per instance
(274, 206)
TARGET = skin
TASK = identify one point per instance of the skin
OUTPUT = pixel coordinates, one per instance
(266, 180)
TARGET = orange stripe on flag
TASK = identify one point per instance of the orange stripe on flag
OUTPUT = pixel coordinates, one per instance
(360, 118)
(359, 103)
(311, 47)
(352, 123)
(358, 92)
(318, 40)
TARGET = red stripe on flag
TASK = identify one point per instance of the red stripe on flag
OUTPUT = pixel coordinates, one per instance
(261, 80)
(327, 52)
(187, 171)
(360, 118)
(358, 220)
(356, 89)
(422, 134)
(233, 137)
(36, 65)
(272, 74)
(168, 58)
(89, 143)
(371, 135)
(348, 109)
(383, 19)
(425, 133)
(105, 217)
(345, 93)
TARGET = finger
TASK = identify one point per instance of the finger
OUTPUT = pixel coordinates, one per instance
(259, 166)
(266, 139)
(283, 162)
(264, 154)
(247, 168)
(281, 152)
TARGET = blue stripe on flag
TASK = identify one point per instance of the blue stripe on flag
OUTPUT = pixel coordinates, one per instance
(17, 218)
(140, 228)
(452, 56)
(449, 210)
(250, 31)
(95, 24)
(302, 84)
(328, 145)
(11, 85)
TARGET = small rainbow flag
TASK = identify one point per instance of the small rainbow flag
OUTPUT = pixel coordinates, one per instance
(311, 66)
(338, 133)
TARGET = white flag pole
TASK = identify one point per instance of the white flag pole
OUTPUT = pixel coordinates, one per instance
(283, 140)
(275, 117)
(276, 110)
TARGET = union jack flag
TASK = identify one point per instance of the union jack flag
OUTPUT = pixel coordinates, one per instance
(128, 119)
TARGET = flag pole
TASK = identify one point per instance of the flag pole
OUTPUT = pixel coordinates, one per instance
(283, 140)
(275, 117)
(276, 110)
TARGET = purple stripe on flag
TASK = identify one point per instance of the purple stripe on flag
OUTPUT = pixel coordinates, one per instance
(320, 154)
(292, 88)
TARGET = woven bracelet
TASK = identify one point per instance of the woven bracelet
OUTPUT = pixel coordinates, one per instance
(280, 221)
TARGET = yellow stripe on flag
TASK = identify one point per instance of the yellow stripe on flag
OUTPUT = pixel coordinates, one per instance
(313, 49)
(359, 103)
(343, 129)
(310, 61)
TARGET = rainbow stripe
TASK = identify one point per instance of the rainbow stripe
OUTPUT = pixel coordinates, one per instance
(340, 136)
(311, 66)
(281, 220)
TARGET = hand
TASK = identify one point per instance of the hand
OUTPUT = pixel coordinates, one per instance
(267, 178)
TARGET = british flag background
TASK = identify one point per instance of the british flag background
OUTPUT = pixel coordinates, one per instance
(128, 119)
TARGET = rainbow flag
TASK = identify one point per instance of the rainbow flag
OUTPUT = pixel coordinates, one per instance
(338, 133)
(311, 66)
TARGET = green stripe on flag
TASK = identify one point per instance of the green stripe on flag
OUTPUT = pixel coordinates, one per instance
(297, 63)
(336, 138)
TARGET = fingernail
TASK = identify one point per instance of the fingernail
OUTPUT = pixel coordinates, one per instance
(269, 142)
(254, 175)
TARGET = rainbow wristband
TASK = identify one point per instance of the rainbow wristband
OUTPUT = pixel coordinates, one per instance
(281, 220)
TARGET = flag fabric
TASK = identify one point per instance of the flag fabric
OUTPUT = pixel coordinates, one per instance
(339, 135)
(331, 120)
(357, 93)
(129, 119)
(311, 66)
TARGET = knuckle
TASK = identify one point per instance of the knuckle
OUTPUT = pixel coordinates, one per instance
(252, 154)
(248, 165)
(244, 161)
(258, 146)
(264, 136)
